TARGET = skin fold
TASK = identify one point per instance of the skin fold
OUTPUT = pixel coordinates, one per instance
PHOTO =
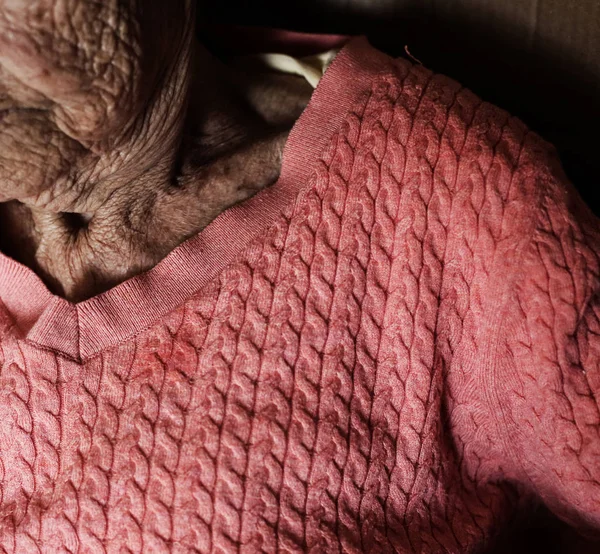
(121, 136)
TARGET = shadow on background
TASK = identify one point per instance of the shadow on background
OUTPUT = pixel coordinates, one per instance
(538, 59)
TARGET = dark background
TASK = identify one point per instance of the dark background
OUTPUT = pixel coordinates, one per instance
(539, 59)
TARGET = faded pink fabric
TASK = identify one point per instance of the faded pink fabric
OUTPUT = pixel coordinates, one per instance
(390, 350)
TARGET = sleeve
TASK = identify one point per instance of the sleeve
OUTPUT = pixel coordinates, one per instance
(545, 385)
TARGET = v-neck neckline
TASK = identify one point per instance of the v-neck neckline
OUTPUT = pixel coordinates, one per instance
(82, 330)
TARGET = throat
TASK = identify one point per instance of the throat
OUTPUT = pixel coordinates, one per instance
(81, 254)
(117, 214)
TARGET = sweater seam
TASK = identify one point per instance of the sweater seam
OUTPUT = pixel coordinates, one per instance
(501, 419)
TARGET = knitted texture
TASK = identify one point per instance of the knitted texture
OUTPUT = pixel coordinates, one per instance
(409, 351)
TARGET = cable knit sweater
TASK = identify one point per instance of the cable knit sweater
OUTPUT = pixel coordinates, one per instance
(389, 350)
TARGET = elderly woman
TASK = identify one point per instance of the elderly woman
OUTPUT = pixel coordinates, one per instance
(240, 314)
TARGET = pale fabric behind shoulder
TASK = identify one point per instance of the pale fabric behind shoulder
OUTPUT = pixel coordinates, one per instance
(312, 68)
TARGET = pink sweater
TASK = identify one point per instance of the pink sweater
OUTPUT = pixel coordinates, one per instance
(390, 350)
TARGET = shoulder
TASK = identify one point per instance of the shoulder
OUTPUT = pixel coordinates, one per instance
(447, 132)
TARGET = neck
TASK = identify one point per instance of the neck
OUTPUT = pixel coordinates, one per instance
(229, 146)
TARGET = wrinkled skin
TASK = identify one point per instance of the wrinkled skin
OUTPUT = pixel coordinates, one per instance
(120, 136)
